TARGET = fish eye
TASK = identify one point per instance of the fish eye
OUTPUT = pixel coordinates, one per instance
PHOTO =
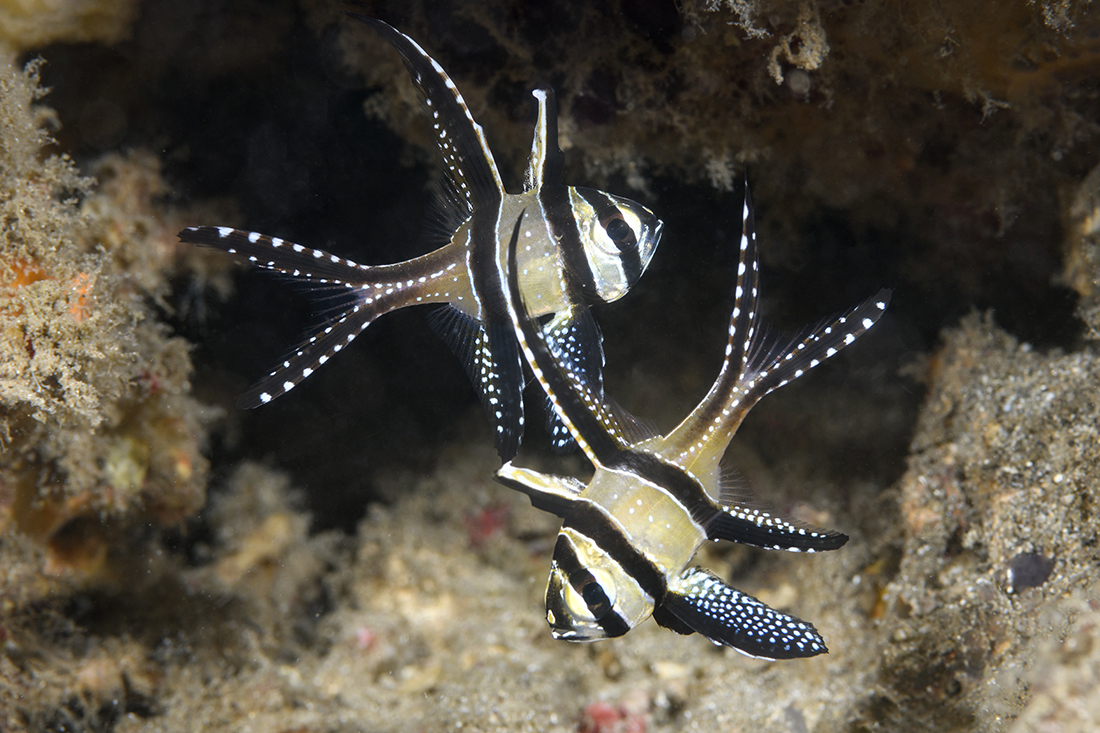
(593, 600)
(620, 233)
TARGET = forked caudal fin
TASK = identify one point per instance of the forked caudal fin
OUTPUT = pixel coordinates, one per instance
(348, 296)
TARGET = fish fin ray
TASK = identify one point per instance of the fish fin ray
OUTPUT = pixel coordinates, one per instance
(744, 517)
(282, 258)
(492, 362)
(746, 307)
(445, 214)
(460, 331)
(561, 442)
(775, 361)
(305, 358)
(333, 285)
(500, 378)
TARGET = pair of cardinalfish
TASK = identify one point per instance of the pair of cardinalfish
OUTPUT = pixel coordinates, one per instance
(515, 278)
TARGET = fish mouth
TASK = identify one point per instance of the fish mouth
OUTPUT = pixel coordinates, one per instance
(652, 240)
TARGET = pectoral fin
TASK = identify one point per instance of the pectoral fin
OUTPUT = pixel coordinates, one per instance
(702, 602)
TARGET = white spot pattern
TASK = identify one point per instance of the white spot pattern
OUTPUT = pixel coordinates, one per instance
(746, 624)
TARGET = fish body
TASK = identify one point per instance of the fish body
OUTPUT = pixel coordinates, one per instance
(588, 245)
(628, 536)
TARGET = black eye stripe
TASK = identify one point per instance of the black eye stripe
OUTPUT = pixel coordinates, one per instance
(594, 524)
(578, 576)
(598, 200)
(558, 211)
(607, 211)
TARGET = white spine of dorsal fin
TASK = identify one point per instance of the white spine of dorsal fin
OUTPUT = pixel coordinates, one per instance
(536, 163)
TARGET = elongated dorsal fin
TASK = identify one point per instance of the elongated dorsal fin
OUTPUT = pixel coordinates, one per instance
(472, 175)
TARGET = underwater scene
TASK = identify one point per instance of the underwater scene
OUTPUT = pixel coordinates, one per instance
(613, 367)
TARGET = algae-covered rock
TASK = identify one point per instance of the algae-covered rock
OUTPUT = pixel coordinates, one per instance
(999, 523)
(97, 424)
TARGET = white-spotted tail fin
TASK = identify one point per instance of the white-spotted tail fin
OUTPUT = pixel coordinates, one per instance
(774, 363)
(346, 296)
(756, 364)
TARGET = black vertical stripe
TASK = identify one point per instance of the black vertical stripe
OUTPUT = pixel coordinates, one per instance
(484, 278)
(593, 523)
(500, 342)
(562, 220)
(578, 576)
(603, 446)
(684, 488)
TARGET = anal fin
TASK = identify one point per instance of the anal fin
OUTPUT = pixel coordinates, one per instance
(491, 358)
